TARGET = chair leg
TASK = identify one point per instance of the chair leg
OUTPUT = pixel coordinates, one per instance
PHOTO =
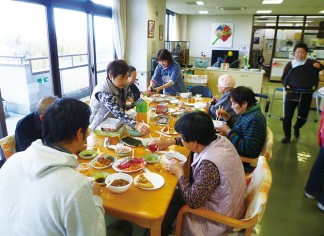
(271, 104)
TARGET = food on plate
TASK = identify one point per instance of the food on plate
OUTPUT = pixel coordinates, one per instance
(173, 158)
(131, 164)
(168, 130)
(185, 109)
(119, 183)
(122, 149)
(103, 161)
(143, 182)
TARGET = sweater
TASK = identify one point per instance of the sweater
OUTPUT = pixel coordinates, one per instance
(249, 132)
(42, 194)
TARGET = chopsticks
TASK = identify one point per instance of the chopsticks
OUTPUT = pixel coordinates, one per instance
(219, 108)
(163, 134)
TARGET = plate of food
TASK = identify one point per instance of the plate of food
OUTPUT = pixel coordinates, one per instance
(175, 101)
(104, 162)
(101, 132)
(129, 165)
(88, 154)
(168, 130)
(185, 109)
(149, 181)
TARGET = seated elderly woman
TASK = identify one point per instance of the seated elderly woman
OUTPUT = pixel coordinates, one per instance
(248, 132)
(218, 177)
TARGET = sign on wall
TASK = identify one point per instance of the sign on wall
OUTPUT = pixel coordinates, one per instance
(222, 35)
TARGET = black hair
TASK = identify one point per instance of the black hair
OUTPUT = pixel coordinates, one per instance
(301, 45)
(63, 119)
(164, 55)
(196, 126)
(130, 70)
(289, 43)
(117, 67)
(242, 94)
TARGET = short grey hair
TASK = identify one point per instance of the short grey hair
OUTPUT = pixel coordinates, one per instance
(45, 103)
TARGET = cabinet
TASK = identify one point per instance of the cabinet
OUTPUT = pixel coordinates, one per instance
(248, 78)
(179, 51)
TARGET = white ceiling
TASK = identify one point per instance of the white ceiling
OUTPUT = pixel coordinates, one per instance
(296, 7)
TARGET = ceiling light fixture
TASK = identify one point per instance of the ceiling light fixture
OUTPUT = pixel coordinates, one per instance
(200, 3)
(203, 12)
(272, 1)
(321, 11)
(263, 11)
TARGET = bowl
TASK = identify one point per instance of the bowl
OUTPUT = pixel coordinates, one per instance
(100, 177)
(184, 95)
(133, 132)
(118, 176)
(217, 123)
(123, 151)
(82, 167)
(181, 158)
(200, 105)
(151, 158)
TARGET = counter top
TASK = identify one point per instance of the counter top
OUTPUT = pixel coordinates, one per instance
(252, 71)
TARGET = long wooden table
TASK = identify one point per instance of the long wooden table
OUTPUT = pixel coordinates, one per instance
(143, 207)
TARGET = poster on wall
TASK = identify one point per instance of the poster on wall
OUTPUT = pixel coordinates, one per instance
(222, 35)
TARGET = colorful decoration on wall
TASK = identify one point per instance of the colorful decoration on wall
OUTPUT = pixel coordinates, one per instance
(222, 35)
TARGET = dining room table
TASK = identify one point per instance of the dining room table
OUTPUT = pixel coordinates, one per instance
(143, 207)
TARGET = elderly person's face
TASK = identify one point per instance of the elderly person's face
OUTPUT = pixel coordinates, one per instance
(119, 81)
(132, 77)
(237, 108)
(221, 89)
(300, 54)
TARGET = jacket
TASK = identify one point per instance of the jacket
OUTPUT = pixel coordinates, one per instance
(42, 194)
(228, 198)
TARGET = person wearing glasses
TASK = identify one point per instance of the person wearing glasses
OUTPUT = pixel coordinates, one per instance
(109, 98)
(167, 76)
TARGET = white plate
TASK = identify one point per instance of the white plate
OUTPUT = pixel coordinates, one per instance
(168, 132)
(174, 101)
(103, 167)
(171, 110)
(156, 179)
(190, 104)
(114, 166)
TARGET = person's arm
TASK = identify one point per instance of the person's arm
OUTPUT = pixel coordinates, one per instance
(76, 218)
(315, 64)
(205, 183)
(250, 143)
(285, 72)
(109, 101)
(155, 78)
(173, 77)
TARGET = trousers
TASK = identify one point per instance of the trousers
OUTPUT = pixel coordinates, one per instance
(302, 102)
(315, 183)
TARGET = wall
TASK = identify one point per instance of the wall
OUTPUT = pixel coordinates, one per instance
(199, 33)
(139, 48)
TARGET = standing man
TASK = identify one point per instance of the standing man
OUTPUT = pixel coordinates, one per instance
(29, 129)
(41, 192)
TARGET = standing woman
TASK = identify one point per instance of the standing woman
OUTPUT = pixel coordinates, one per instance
(300, 53)
(108, 99)
(167, 73)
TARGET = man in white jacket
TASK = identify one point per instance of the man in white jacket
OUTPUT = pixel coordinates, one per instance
(41, 193)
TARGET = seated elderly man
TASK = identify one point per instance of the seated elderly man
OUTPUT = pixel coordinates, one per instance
(248, 132)
(28, 129)
(226, 84)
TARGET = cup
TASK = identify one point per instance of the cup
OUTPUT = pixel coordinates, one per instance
(153, 147)
(158, 167)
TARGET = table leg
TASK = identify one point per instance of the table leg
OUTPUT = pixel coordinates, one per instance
(155, 228)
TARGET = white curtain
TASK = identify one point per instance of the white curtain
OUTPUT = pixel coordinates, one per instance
(119, 26)
(174, 27)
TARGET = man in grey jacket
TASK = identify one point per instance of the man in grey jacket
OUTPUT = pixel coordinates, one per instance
(41, 192)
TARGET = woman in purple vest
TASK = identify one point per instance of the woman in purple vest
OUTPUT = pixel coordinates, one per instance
(218, 182)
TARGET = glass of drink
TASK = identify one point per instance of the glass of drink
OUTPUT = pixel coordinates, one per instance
(152, 147)
(158, 167)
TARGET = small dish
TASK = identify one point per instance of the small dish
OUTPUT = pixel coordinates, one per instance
(151, 158)
(88, 154)
(100, 177)
(217, 123)
(123, 151)
(104, 162)
(133, 132)
(181, 158)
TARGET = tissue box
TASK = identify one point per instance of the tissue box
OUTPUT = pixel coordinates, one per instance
(111, 125)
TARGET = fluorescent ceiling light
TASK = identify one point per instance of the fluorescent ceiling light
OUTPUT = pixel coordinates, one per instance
(203, 12)
(321, 11)
(263, 11)
(272, 1)
(200, 3)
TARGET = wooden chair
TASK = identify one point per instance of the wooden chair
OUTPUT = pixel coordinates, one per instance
(258, 187)
(8, 145)
(266, 151)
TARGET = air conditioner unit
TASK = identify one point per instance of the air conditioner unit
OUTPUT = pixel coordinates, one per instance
(231, 8)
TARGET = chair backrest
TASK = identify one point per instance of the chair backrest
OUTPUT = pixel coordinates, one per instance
(264, 102)
(8, 145)
(258, 187)
(203, 90)
(304, 76)
(267, 147)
